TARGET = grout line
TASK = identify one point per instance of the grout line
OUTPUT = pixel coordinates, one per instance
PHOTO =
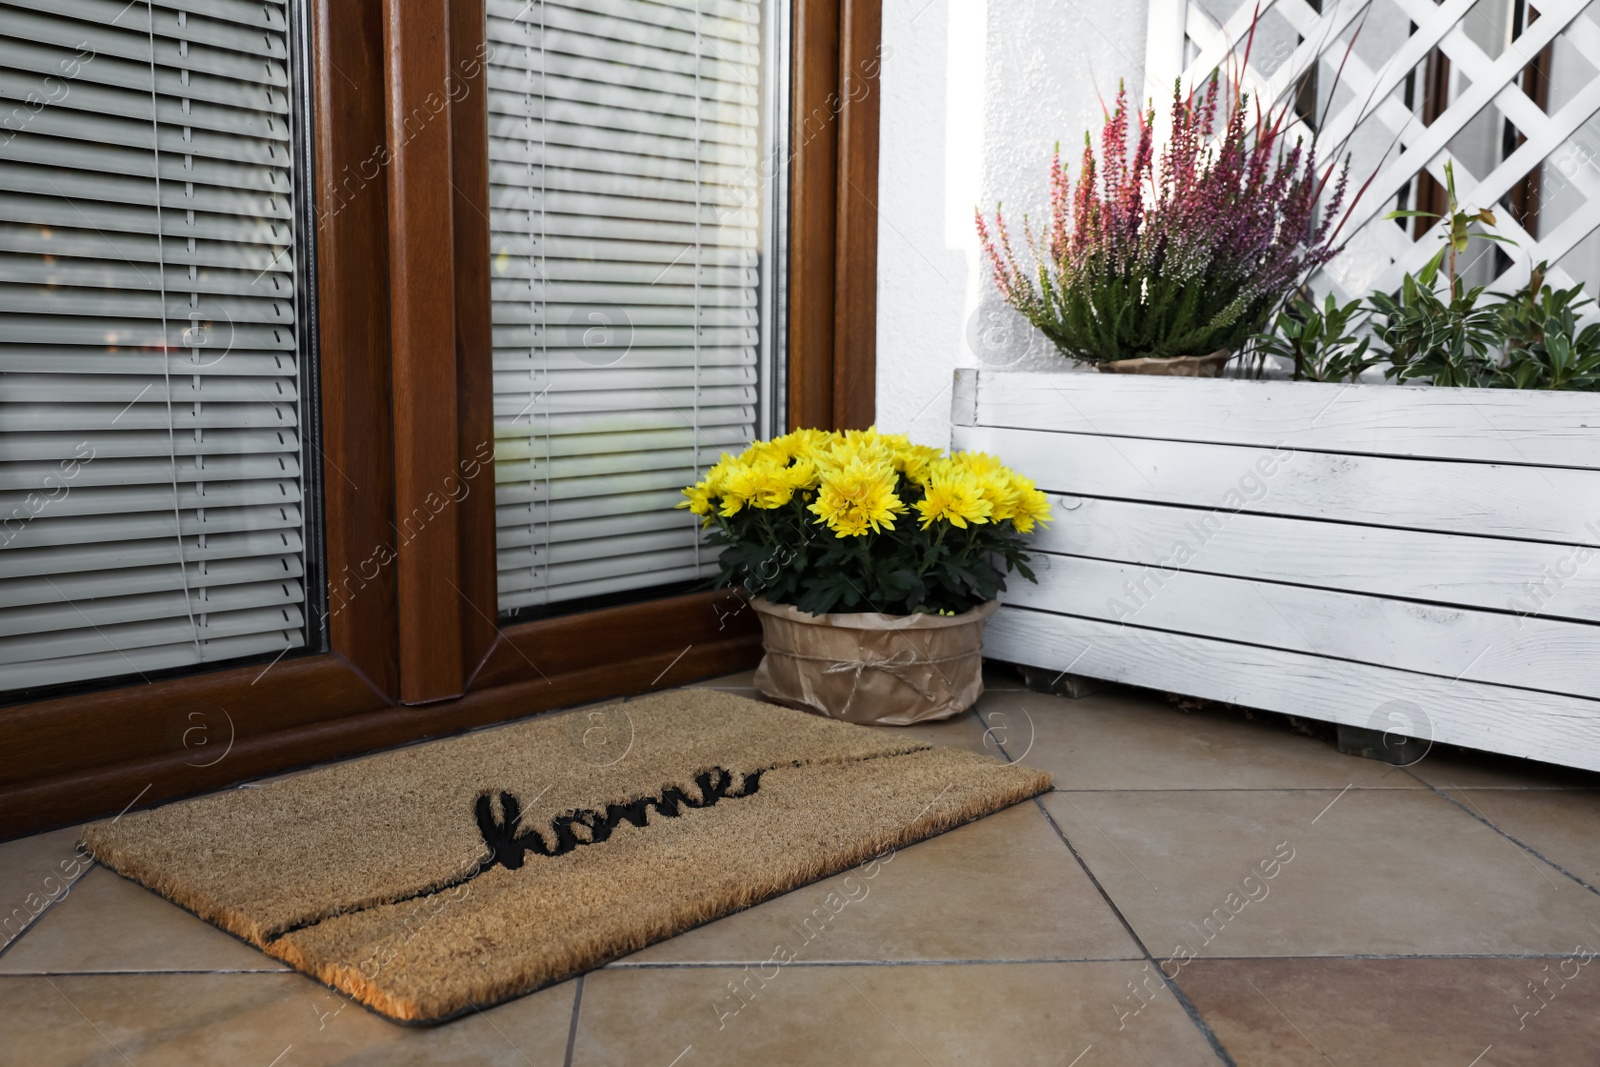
(1172, 983)
(1529, 849)
(47, 908)
(572, 1027)
(149, 973)
(623, 965)
(729, 964)
(735, 964)
(1323, 789)
(1332, 802)
(1397, 956)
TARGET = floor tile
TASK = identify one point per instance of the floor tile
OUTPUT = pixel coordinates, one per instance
(1562, 825)
(1003, 887)
(964, 731)
(1129, 740)
(35, 873)
(1448, 766)
(255, 1020)
(1019, 1015)
(1388, 871)
(108, 923)
(1312, 1013)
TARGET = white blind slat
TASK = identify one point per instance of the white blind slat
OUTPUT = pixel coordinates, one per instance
(40, 624)
(626, 214)
(137, 557)
(265, 634)
(151, 473)
(65, 589)
(112, 530)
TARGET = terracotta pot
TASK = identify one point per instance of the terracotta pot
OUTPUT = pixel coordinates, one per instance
(1178, 367)
(886, 670)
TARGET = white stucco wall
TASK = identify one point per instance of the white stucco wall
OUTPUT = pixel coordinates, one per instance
(975, 96)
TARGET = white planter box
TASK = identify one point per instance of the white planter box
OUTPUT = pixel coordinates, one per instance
(1412, 559)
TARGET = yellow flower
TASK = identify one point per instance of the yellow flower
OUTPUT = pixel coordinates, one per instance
(857, 497)
(1001, 490)
(801, 475)
(774, 451)
(860, 449)
(700, 501)
(799, 443)
(980, 462)
(758, 484)
(717, 476)
(954, 495)
(1032, 507)
(914, 461)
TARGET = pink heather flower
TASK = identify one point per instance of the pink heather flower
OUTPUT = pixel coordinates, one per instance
(1234, 216)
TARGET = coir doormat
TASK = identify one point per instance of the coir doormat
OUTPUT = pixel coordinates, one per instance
(432, 880)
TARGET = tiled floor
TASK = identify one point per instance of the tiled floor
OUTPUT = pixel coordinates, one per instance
(1304, 907)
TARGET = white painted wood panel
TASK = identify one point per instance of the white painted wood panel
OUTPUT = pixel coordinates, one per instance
(1520, 576)
(1489, 425)
(1319, 550)
(1542, 726)
(1452, 643)
(1493, 500)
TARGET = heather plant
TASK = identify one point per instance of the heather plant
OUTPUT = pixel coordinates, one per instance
(1179, 259)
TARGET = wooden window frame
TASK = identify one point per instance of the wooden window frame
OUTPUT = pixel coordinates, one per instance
(415, 649)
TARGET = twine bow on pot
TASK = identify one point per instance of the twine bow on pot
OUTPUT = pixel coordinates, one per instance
(899, 665)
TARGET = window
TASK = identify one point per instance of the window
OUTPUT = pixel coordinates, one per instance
(155, 402)
(634, 177)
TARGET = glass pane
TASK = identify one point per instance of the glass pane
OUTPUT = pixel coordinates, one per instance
(635, 243)
(155, 501)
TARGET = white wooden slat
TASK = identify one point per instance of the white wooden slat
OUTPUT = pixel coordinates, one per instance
(1488, 425)
(1451, 643)
(1542, 726)
(1486, 499)
(1480, 572)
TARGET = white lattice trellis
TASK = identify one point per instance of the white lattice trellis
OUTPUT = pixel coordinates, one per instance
(1189, 39)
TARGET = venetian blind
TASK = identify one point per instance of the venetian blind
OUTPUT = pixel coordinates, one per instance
(624, 147)
(150, 440)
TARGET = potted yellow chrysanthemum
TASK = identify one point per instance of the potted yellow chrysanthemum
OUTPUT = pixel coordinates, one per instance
(913, 544)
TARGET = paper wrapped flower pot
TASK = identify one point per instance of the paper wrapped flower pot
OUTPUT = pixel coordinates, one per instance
(885, 670)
